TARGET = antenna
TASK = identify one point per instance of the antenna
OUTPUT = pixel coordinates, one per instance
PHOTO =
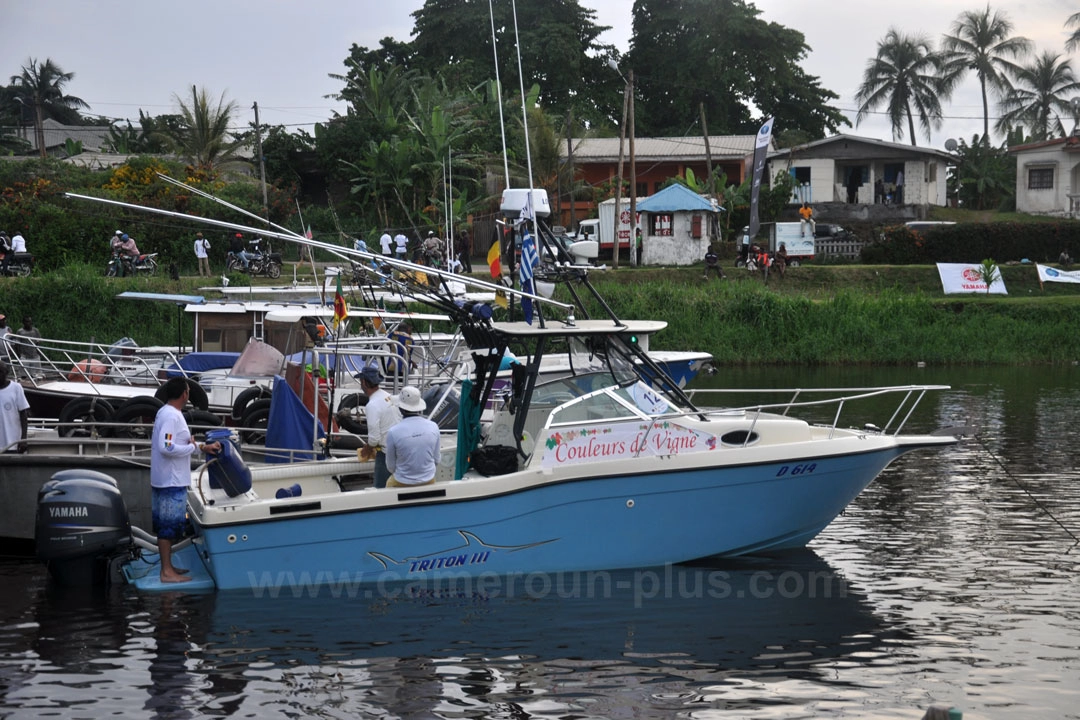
(950, 145)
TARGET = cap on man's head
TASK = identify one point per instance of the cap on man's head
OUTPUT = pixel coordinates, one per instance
(371, 375)
(118, 233)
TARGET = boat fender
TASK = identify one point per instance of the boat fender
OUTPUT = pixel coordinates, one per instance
(292, 491)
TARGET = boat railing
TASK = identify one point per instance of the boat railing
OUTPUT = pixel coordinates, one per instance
(598, 406)
(37, 360)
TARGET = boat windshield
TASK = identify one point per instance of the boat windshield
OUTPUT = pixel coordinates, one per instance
(605, 403)
(602, 354)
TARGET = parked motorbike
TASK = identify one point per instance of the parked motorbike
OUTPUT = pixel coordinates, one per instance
(122, 264)
(19, 264)
(260, 262)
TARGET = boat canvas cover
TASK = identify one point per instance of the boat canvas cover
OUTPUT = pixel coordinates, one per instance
(197, 362)
(258, 360)
(290, 426)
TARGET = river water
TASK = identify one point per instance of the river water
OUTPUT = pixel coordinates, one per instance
(952, 580)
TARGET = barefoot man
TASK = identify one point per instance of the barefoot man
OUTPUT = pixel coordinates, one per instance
(170, 474)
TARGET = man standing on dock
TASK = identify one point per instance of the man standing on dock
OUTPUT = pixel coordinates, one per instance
(171, 448)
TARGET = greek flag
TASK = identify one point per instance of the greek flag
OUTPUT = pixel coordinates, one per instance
(529, 260)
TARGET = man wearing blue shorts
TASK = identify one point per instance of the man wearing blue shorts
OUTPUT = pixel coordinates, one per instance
(170, 474)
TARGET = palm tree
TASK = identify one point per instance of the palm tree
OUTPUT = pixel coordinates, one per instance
(41, 87)
(203, 133)
(905, 76)
(1039, 90)
(981, 42)
(1074, 40)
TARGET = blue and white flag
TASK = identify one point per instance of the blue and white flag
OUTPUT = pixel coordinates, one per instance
(529, 260)
(527, 212)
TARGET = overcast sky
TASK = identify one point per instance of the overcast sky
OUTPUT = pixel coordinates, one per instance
(132, 54)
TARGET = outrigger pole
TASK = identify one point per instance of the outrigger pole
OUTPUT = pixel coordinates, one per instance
(290, 236)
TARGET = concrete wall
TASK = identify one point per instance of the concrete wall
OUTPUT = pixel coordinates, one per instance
(1051, 201)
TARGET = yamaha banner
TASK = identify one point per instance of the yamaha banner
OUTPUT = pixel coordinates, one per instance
(761, 152)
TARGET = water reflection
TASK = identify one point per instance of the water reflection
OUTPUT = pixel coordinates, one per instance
(946, 581)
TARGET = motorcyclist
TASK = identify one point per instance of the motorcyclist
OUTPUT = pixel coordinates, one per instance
(128, 246)
(236, 247)
(115, 241)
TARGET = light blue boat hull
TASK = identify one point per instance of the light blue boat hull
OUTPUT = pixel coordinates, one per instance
(586, 524)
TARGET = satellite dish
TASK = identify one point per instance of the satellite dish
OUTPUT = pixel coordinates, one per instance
(950, 145)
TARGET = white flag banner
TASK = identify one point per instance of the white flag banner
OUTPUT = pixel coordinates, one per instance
(1049, 274)
(965, 278)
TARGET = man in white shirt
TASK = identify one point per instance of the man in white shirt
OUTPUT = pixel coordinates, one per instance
(14, 413)
(382, 415)
(202, 245)
(412, 446)
(386, 243)
(401, 246)
(18, 243)
(171, 448)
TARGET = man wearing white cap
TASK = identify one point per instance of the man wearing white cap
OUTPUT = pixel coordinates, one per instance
(412, 446)
(382, 414)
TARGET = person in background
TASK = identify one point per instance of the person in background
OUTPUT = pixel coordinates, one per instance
(806, 213)
(900, 188)
(637, 245)
(27, 348)
(386, 243)
(239, 250)
(382, 414)
(879, 191)
(712, 263)
(115, 240)
(464, 250)
(202, 248)
(780, 260)
(4, 329)
(18, 243)
(412, 446)
(5, 250)
(402, 342)
(128, 246)
(14, 413)
(359, 245)
(1064, 259)
(171, 448)
(401, 246)
(853, 184)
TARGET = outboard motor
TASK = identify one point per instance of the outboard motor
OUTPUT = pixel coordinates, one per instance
(447, 416)
(228, 471)
(82, 527)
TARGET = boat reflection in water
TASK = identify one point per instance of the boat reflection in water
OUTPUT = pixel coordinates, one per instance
(672, 637)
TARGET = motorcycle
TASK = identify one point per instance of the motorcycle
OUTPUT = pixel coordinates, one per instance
(19, 264)
(121, 264)
(260, 262)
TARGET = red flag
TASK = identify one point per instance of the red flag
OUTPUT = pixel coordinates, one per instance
(494, 259)
(341, 310)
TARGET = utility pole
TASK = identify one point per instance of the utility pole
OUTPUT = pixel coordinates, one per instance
(570, 162)
(633, 175)
(262, 162)
(708, 150)
(618, 184)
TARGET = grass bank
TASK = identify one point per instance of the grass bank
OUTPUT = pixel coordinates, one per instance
(815, 315)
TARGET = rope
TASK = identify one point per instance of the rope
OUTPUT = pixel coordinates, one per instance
(1031, 496)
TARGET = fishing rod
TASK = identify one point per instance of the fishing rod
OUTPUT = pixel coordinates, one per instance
(290, 236)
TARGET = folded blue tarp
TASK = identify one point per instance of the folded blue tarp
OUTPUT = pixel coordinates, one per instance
(196, 362)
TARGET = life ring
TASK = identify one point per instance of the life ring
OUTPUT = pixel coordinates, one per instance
(89, 370)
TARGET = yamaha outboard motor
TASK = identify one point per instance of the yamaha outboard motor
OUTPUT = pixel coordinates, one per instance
(82, 527)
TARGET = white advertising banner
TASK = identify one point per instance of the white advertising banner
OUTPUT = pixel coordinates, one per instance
(965, 278)
(1049, 274)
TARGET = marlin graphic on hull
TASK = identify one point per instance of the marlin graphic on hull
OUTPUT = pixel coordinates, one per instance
(474, 551)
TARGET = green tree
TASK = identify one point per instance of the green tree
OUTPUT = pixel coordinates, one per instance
(1040, 90)
(203, 136)
(982, 41)
(559, 48)
(905, 77)
(989, 273)
(41, 86)
(982, 177)
(719, 54)
(1074, 40)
